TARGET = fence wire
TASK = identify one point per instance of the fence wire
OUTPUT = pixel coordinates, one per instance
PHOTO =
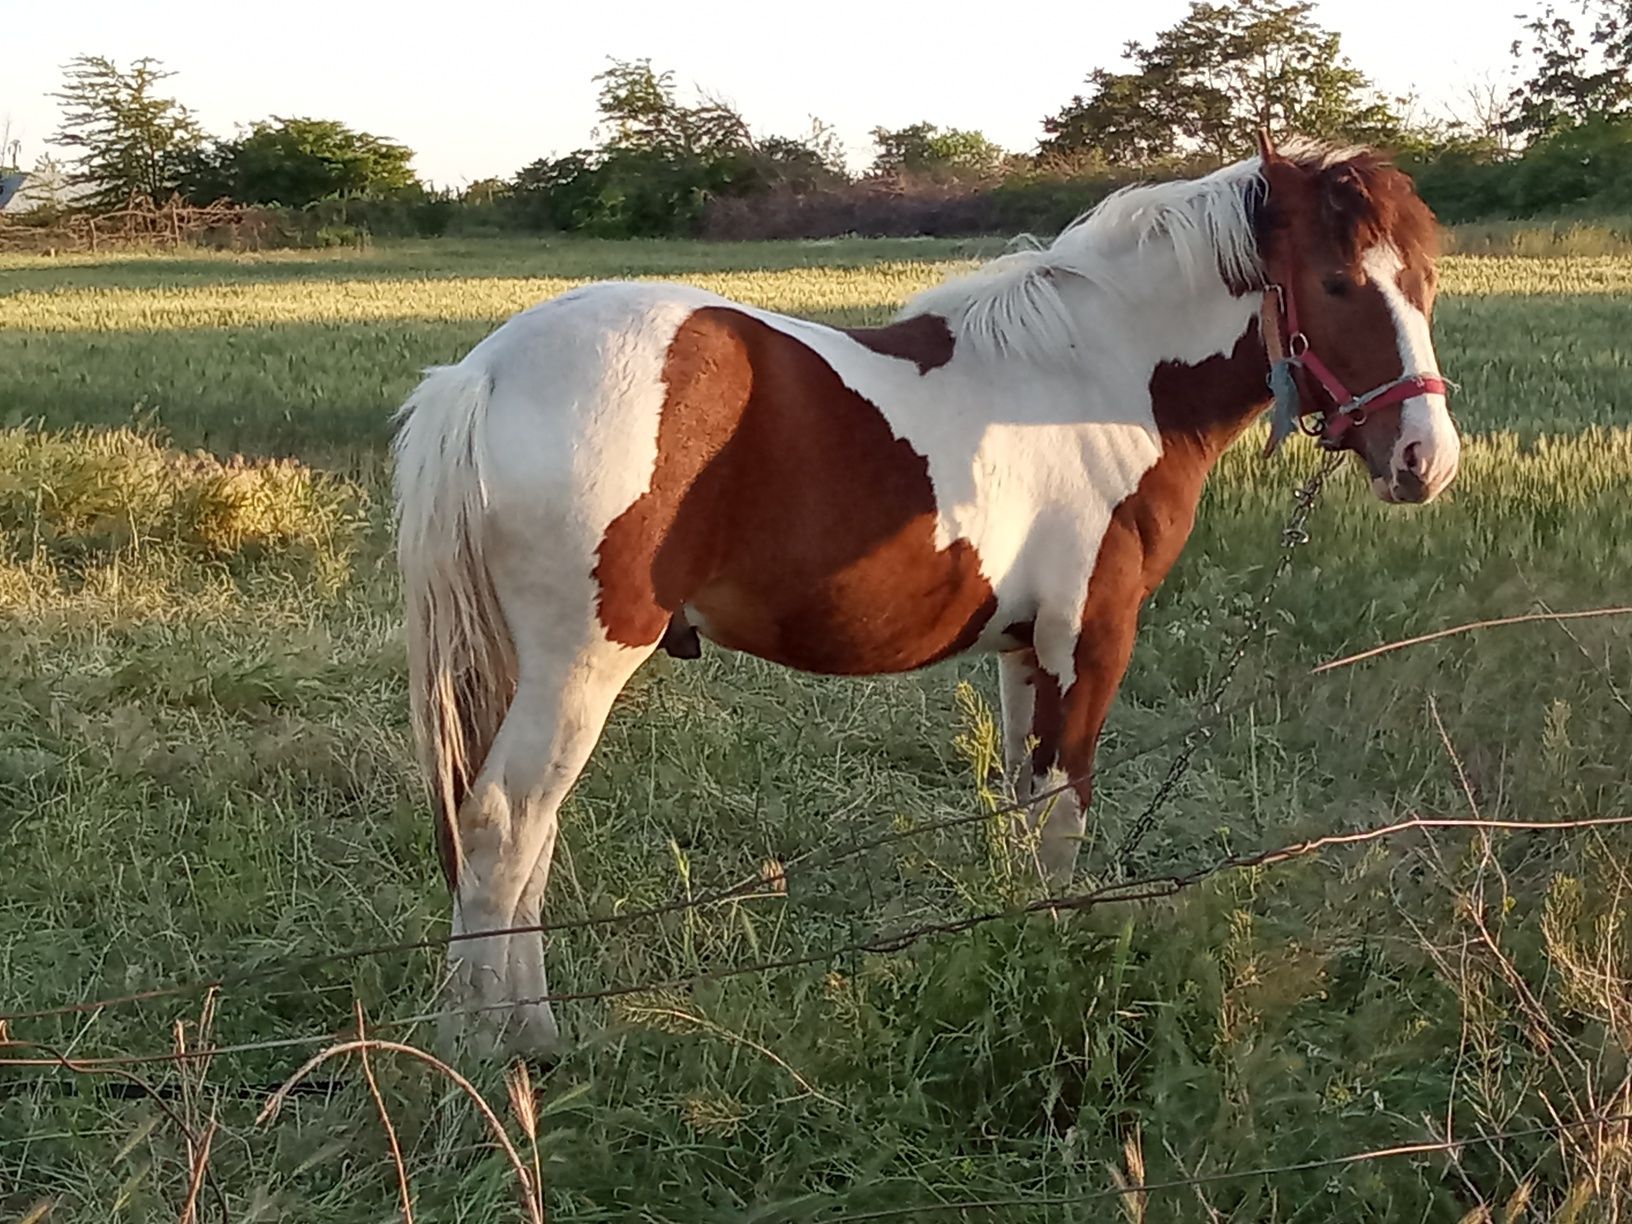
(745, 889)
(1114, 892)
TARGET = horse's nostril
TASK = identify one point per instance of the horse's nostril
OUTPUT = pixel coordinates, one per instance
(1413, 457)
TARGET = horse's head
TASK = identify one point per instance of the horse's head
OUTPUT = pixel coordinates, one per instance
(1348, 249)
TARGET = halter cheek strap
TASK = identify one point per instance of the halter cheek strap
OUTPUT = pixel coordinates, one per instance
(1288, 347)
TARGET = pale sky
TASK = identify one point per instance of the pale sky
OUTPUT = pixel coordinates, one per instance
(481, 89)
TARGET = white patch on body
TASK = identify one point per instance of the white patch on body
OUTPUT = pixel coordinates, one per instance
(527, 450)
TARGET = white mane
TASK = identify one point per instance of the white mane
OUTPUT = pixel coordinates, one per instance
(1013, 304)
(1318, 154)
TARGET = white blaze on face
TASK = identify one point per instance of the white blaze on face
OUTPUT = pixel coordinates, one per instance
(1428, 445)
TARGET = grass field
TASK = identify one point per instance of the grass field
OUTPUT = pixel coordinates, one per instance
(204, 767)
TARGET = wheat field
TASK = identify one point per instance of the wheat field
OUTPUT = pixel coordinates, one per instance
(205, 769)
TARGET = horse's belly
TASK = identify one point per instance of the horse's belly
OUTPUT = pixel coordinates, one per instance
(891, 612)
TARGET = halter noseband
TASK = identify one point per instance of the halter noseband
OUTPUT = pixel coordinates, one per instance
(1288, 347)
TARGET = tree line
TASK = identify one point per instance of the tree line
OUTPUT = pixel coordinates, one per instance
(1190, 97)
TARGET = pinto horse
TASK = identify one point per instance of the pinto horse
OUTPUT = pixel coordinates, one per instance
(1011, 466)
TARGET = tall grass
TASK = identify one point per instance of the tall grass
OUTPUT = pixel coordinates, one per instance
(1599, 236)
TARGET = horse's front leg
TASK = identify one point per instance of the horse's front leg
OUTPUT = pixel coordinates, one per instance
(1067, 713)
(1052, 818)
(1031, 718)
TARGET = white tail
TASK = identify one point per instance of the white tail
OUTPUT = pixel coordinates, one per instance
(461, 658)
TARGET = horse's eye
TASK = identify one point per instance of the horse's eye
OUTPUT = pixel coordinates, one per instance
(1337, 286)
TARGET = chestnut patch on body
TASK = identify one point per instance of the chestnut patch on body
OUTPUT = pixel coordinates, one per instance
(924, 340)
(1199, 410)
(785, 518)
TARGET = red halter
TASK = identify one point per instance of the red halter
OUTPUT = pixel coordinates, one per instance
(1286, 341)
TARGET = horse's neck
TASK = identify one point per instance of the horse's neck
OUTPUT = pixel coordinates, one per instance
(1200, 349)
(1213, 401)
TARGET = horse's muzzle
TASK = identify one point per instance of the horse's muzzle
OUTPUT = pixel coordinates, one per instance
(1424, 460)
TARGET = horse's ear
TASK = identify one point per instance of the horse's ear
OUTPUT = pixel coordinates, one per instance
(1349, 188)
(1350, 202)
(1266, 146)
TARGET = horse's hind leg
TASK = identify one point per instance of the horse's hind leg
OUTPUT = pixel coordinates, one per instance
(1016, 673)
(507, 830)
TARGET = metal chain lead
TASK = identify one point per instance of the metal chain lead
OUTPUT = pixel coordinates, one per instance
(1294, 534)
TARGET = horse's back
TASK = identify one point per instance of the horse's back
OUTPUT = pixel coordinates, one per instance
(706, 459)
(577, 396)
(610, 331)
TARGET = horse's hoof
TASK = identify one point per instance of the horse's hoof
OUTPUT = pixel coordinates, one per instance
(533, 1035)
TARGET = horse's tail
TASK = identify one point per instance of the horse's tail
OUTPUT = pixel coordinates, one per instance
(461, 658)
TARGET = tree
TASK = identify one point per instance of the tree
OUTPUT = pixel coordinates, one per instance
(793, 165)
(48, 182)
(1120, 122)
(641, 113)
(659, 161)
(1485, 114)
(486, 191)
(922, 150)
(132, 141)
(296, 162)
(823, 140)
(801, 163)
(1573, 78)
(1206, 85)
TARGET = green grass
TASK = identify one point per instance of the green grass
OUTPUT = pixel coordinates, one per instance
(204, 766)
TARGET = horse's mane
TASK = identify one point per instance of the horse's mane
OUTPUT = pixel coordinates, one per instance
(1012, 305)
(1368, 200)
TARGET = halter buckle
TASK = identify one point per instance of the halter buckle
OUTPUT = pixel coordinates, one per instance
(1297, 344)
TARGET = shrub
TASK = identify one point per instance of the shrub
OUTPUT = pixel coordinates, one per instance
(74, 500)
(892, 208)
(1586, 169)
